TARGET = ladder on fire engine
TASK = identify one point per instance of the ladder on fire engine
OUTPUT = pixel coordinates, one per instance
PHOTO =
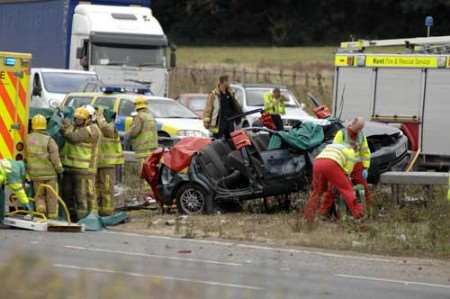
(434, 44)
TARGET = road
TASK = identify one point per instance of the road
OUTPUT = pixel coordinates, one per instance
(185, 268)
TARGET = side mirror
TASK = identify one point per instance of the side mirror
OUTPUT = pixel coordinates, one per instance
(80, 52)
(173, 56)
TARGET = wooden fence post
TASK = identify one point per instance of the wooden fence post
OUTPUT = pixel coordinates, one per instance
(319, 83)
(294, 79)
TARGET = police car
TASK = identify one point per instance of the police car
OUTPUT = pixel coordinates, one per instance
(173, 119)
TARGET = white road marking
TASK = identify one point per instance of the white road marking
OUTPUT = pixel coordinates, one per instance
(404, 282)
(221, 243)
(141, 275)
(175, 258)
(319, 253)
(266, 248)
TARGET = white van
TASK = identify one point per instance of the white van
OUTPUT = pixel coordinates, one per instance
(50, 86)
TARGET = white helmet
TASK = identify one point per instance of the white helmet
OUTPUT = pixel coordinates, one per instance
(92, 111)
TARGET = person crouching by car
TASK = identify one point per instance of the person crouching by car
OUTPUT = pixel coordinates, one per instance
(221, 106)
(274, 104)
(333, 166)
(354, 137)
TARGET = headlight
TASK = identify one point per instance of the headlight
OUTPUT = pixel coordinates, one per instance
(52, 103)
(191, 133)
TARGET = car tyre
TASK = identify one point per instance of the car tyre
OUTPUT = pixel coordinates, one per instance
(193, 199)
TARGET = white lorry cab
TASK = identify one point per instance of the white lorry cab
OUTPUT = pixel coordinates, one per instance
(122, 44)
(50, 86)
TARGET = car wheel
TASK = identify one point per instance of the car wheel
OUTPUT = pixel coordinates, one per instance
(193, 200)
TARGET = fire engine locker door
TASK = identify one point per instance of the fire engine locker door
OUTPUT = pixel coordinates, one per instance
(399, 92)
(358, 92)
(436, 119)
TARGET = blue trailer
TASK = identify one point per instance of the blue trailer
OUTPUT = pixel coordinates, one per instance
(121, 40)
(43, 27)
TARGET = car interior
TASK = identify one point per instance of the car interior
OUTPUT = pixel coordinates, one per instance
(224, 166)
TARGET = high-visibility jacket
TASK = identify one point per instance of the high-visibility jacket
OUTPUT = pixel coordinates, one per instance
(12, 173)
(83, 155)
(343, 155)
(360, 145)
(39, 158)
(111, 153)
(147, 139)
(274, 106)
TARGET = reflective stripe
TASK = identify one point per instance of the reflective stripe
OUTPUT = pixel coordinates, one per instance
(82, 155)
(6, 166)
(341, 154)
(111, 153)
(39, 165)
(14, 106)
(147, 140)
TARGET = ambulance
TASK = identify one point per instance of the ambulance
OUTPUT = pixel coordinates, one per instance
(409, 87)
(14, 103)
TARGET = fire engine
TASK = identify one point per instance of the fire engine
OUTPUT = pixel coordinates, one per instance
(410, 89)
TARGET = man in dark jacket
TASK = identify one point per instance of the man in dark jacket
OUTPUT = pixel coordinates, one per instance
(221, 105)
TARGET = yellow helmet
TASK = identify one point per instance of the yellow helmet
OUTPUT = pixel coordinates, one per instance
(82, 113)
(140, 102)
(39, 122)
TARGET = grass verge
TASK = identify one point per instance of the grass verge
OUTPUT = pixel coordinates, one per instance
(413, 230)
(256, 56)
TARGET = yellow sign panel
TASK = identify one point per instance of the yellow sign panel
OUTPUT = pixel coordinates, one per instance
(341, 60)
(402, 61)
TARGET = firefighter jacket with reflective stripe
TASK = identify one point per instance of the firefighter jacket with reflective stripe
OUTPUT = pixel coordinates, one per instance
(42, 157)
(81, 148)
(360, 145)
(12, 173)
(341, 154)
(111, 153)
(144, 137)
(274, 106)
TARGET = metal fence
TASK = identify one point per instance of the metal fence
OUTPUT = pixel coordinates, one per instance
(203, 79)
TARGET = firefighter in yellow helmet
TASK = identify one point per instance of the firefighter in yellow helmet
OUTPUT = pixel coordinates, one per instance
(43, 165)
(110, 157)
(79, 158)
(143, 136)
(12, 174)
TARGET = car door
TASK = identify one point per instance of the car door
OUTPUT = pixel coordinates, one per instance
(124, 118)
